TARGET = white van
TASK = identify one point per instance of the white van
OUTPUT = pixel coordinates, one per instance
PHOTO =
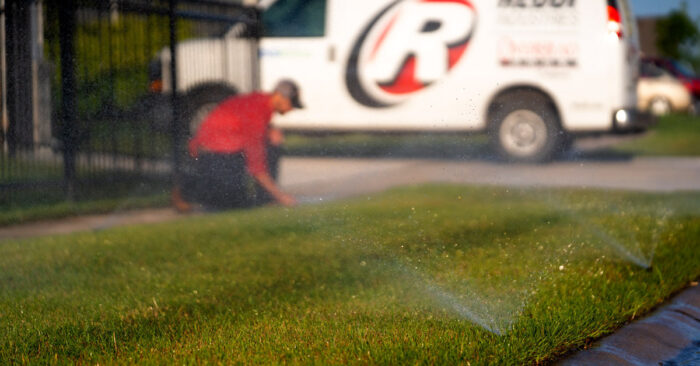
(531, 73)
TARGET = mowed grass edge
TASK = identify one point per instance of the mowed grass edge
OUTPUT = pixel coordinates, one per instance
(435, 274)
(675, 135)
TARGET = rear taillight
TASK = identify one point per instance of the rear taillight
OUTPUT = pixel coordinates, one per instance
(614, 20)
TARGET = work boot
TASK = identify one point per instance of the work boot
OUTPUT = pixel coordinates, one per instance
(179, 202)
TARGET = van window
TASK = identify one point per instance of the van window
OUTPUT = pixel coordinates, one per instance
(684, 68)
(295, 18)
(650, 70)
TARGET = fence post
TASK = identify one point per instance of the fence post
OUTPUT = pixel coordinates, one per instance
(176, 122)
(19, 76)
(68, 94)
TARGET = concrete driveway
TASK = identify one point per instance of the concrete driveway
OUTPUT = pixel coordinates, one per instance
(313, 179)
(588, 165)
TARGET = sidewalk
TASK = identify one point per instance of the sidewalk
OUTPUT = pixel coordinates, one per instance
(89, 223)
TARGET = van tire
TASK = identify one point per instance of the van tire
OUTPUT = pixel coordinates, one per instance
(660, 106)
(200, 101)
(524, 127)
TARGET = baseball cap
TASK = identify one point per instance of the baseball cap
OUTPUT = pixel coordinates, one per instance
(289, 90)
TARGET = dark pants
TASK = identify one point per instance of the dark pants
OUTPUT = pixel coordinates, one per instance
(221, 181)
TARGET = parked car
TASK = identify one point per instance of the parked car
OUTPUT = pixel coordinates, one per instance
(659, 92)
(682, 72)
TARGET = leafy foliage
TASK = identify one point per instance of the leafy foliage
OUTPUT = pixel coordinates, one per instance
(678, 37)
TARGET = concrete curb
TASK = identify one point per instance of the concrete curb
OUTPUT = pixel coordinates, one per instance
(668, 336)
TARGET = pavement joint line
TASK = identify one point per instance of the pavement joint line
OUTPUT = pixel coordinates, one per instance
(679, 311)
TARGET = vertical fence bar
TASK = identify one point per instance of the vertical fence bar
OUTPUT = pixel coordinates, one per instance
(18, 54)
(111, 20)
(68, 100)
(140, 56)
(176, 128)
(115, 62)
(97, 139)
(3, 99)
(149, 47)
(3, 90)
(84, 86)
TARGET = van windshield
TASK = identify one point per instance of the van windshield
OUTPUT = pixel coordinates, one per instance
(295, 18)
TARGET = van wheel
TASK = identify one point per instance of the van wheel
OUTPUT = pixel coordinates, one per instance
(660, 106)
(201, 101)
(525, 128)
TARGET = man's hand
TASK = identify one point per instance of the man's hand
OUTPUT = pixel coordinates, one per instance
(269, 184)
(193, 149)
(287, 200)
(275, 137)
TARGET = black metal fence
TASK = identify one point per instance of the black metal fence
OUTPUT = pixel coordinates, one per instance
(84, 113)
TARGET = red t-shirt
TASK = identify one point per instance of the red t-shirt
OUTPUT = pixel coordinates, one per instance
(238, 124)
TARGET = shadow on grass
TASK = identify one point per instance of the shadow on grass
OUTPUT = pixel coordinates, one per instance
(427, 146)
(596, 155)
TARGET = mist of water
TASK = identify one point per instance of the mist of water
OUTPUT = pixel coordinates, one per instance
(495, 313)
(632, 251)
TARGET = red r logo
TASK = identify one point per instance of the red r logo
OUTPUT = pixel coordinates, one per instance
(408, 46)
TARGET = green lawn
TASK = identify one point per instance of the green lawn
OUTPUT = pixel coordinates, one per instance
(674, 135)
(436, 274)
(378, 145)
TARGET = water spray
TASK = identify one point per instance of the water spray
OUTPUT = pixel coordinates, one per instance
(637, 257)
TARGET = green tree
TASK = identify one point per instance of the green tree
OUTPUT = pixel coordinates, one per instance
(678, 36)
